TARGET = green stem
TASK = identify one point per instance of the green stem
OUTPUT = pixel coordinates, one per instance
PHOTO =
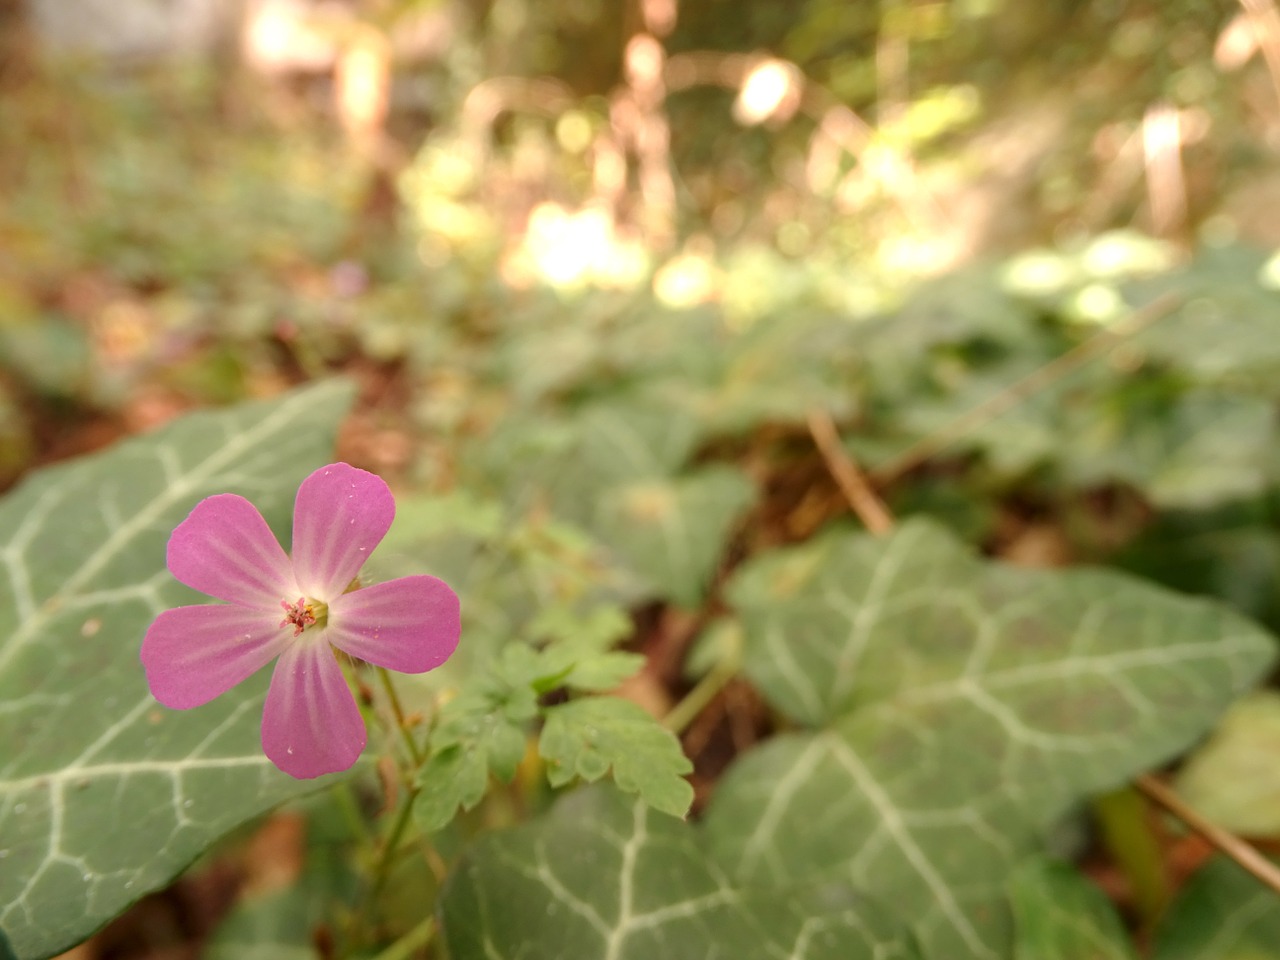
(381, 872)
(415, 754)
(417, 938)
(697, 699)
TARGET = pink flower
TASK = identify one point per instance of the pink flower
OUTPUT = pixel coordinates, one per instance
(295, 612)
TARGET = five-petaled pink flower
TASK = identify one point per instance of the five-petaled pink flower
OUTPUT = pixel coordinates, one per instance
(297, 611)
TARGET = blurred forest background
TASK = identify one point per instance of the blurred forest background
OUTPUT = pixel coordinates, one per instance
(1020, 253)
(205, 201)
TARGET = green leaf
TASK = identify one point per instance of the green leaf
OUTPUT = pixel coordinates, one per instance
(615, 470)
(917, 621)
(672, 532)
(967, 706)
(1227, 327)
(603, 672)
(104, 794)
(1059, 915)
(1223, 913)
(1196, 448)
(1232, 553)
(481, 731)
(1234, 779)
(604, 877)
(587, 738)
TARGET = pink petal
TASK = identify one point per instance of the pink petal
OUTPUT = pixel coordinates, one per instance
(340, 515)
(411, 624)
(193, 654)
(311, 724)
(225, 549)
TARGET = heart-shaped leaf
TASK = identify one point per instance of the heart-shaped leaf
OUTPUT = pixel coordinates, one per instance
(966, 707)
(606, 877)
(105, 794)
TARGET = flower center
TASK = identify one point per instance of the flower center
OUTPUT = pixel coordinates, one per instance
(305, 613)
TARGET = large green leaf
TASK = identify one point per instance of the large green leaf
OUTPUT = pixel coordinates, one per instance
(104, 794)
(1223, 913)
(606, 877)
(966, 706)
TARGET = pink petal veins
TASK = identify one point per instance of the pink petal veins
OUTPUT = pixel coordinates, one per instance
(410, 625)
(310, 723)
(193, 654)
(225, 549)
(340, 515)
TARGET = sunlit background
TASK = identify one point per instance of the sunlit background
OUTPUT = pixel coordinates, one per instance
(206, 200)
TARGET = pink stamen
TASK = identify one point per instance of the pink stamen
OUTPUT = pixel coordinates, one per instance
(299, 614)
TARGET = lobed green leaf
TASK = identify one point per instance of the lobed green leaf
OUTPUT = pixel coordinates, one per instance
(589, 737)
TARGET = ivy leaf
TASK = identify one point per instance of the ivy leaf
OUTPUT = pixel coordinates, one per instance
(672, 532)
(104, 794)
(1227, 328)
(964, 707)
(615, 470)
(1059, 915)
(602, 876)
(589, 737)
(915, 621)
(1222, 913)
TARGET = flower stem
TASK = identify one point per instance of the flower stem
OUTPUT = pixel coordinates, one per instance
(380, 874)
(696, 700)
(365, 917)
(415, 753)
